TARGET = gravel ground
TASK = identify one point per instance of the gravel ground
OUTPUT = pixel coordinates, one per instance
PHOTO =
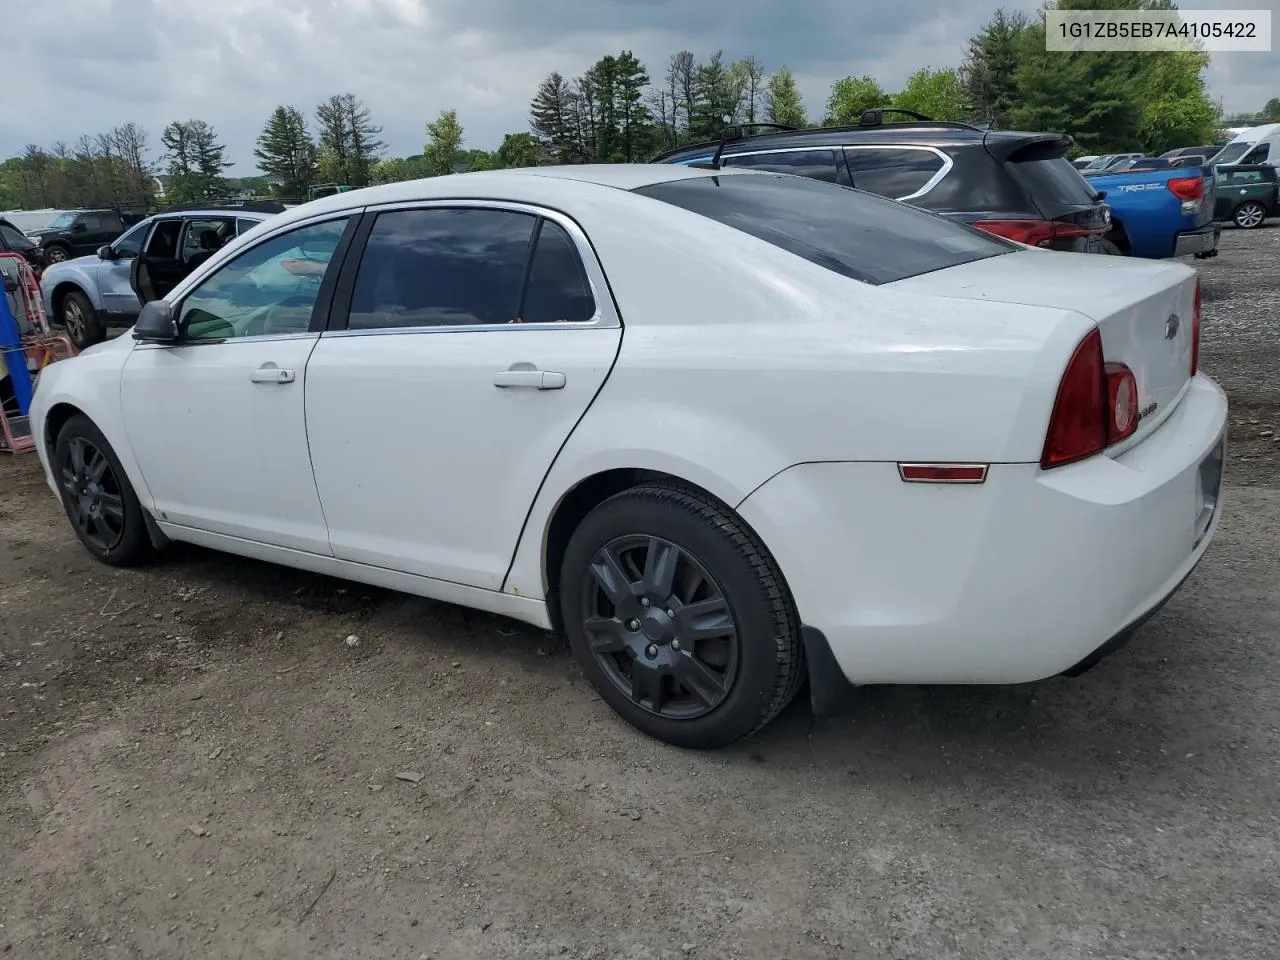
(196, 761)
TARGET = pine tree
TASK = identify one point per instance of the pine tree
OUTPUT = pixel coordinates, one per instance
(286, 153)
(349, 141)
(551, 118)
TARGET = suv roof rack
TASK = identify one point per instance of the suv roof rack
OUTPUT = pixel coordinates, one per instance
(735, 132)
(249, 206)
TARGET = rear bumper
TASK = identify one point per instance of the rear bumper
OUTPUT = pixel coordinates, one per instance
(1026, 576)
(1199, 241)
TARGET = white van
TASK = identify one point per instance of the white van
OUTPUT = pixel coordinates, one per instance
(1256, 145)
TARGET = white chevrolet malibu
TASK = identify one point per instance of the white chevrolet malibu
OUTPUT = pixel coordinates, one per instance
(729, 431)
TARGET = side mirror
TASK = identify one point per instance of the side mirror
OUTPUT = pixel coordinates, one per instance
(106, 253)
(157, 323)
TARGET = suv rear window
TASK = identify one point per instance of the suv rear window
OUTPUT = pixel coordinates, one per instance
(854, 234)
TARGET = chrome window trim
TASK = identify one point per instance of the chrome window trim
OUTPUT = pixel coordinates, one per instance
(605, 317)
(258, 338)
(947, 164)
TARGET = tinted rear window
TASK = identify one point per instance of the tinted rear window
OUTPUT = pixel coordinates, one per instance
(847, 231)
(1052, 178)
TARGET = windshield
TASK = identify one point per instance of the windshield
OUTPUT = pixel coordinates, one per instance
(852, 233)
(62, 221)
(1100, 162)
(1230, 153)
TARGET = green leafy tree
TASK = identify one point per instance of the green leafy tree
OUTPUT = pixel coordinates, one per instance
(782, 103)
(850, 97)
(519, 150)
(718, 93)
(1272, 110)
(286, 153)
(938, 94)
(396, 169)
(444, 142)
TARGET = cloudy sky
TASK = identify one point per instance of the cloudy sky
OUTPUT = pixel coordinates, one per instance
(91, 64)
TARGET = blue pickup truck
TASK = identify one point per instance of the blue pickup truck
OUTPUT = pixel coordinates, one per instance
(1157, 213)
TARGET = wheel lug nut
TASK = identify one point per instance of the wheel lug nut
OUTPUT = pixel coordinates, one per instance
(675, 644)
(671, 613)
(644, 601)
(633, 624)
(651, 651)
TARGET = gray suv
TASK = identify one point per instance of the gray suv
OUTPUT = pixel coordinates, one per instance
(89, 295)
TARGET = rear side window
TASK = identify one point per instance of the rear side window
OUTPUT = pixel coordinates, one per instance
(558, 290)
(854, 234)
(894, 172)
(163, 244)
(815, 164)
(244, 226)
(442, 267)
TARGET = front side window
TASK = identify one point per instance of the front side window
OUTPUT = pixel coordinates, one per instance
(894, 172)
(442, 267)
(1258, 154)
(854, 234)
(814, 164)
(130, 245)
(268, 290)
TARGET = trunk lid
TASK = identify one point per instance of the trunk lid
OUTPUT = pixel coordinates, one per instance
(1134, 305)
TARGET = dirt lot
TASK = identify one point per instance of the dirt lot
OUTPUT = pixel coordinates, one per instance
(195, 763)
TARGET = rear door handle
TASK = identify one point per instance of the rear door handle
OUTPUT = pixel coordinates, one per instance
(270, 373)
(525, 375)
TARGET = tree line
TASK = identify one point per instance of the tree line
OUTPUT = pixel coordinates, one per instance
(617, 111)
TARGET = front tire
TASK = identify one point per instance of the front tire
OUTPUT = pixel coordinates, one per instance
(80, 320)
(56, 254)
(97, 496)
(1249, 215)
(679, 617)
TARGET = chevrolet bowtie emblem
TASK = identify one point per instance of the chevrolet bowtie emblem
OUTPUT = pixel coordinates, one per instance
(1171, 326)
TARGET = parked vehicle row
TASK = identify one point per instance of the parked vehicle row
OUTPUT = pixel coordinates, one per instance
(1159, 213)
(724, 441)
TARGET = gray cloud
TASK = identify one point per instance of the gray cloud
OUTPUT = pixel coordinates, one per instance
(103, 62)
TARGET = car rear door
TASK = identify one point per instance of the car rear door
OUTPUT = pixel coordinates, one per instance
(464, 349)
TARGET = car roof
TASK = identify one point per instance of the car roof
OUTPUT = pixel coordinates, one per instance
(537, 185)
(218, 212)
(931, 133)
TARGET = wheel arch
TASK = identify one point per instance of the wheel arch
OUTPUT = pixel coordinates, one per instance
(65, 287)
(56, 419)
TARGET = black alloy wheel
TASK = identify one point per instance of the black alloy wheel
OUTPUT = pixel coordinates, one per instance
(660, 627)
(679, 616)
(96, 494)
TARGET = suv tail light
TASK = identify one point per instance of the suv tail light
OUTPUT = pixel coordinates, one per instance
(1035, 233)
(1195, 331)
(1096, 406)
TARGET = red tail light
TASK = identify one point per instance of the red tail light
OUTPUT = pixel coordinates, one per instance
(1036, 233)
(1187, 188)
(1096, 406)
(1195, 331)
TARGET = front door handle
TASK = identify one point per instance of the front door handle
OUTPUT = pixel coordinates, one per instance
(527, 375)
(270, 373)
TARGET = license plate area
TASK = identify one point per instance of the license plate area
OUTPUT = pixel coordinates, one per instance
(1209, 488)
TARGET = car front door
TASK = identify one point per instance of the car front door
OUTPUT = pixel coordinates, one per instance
(468, 344)
(114, 290)
(157, 269)
(216, 421)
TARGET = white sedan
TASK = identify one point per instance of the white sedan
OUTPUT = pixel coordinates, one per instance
(729, 431)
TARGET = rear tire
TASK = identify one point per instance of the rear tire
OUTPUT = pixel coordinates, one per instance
(97, 496)
(80, 320)
(703, 646)
(1249, 215)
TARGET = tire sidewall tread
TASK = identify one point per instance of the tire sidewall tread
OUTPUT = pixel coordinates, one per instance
(134, 545)
(771, 654)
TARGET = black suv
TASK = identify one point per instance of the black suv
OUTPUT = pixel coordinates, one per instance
(77, 233)
(13, 240)
(1014, 184)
